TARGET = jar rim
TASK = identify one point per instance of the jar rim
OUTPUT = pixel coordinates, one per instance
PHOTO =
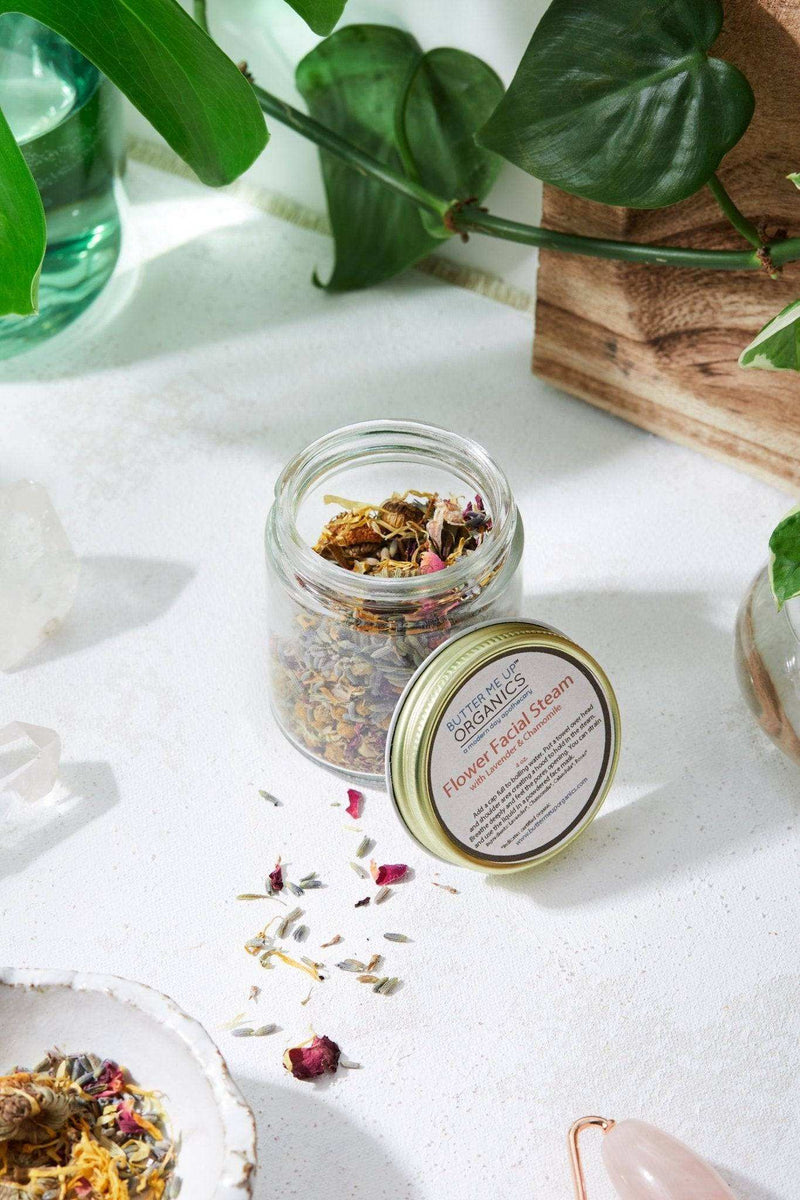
(292, 555)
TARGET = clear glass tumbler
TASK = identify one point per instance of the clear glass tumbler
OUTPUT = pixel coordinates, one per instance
(68, 122)
(344, 645)
(768, 663)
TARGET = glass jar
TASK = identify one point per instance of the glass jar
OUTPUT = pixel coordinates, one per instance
(68, 122)
(768, 663)
(343, 646)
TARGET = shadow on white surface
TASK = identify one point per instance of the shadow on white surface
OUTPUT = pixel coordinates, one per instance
(114, 595)
(84, 792)
(656, 647)
(307, 1149)
(744, 1188)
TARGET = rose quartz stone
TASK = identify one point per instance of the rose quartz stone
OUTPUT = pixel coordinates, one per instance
(646, 1164)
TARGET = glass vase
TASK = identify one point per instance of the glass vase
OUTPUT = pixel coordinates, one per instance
(768, 663)
(68, 122)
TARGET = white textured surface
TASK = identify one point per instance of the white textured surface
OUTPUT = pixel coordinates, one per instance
(651, 972)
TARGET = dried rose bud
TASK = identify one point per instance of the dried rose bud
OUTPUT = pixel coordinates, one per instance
(429, 562)
(126, 1121)
(309, 1062)
(276, 877)
(355, 807)
(111, 1080)
(389, 873)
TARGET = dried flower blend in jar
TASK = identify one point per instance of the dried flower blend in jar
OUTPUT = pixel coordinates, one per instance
(384, 540)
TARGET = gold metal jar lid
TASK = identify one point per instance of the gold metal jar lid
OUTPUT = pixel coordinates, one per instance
(503, 746)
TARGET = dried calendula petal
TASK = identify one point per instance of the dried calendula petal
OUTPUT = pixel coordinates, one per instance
(311, 1059)
(291, 962)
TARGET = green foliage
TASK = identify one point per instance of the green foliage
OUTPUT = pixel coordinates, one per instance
(174, 74)
(415, 112)
(22, 231)
(320, 15)
(618, 101)
(172, 71)
(777, 346)
(784, 568)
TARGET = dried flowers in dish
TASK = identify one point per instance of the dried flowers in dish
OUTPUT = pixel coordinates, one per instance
(76, 1128)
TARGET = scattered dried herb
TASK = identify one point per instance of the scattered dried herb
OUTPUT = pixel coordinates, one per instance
(301, 933)
(253, 896)
(351, 964)
(310, 969)
(396, 937)
(446, 887)
(368, 979)
(337, 937)
(276, 877)
(364, 847)
(359, 870)
(355, 805)
(76, 1126)
(288, 921)
(385, 987)
(336, 679)
(312, 884)
(255, 992)
(388, 873)
(261, 1031)
(362, 903)
(374, 962)
(382, 895)
(272, 799)
(311, 1059)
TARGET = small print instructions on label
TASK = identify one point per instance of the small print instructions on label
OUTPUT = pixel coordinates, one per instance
(520, 754)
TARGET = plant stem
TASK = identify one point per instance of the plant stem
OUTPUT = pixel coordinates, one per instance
(734, 214)
(469, 218)
(201, 14)
(355, 158)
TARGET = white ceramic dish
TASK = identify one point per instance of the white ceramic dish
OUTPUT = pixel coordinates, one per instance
(161, 1046)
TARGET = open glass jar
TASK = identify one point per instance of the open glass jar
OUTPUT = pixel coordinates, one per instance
(342, 645)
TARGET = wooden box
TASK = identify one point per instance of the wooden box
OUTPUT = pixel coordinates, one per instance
(658, 345)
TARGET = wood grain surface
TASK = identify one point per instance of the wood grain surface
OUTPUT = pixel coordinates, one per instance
(659, 345)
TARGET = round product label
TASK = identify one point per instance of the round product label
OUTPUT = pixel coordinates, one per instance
(520, 754)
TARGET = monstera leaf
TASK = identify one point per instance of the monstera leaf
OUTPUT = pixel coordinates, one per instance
(777, 346)
(320, 15)
(416, 112)
(174, 74)
(619, 101)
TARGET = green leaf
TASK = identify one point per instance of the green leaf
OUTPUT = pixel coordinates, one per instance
(795, 178)
(618, 101)
(784, 569)
(321, 15)
(22, 230)
(777, 346)
(416, 112)
(172, 71)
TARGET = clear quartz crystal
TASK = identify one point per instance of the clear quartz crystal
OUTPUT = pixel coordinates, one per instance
(38, 571)
(29, 758)
(768, 663)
